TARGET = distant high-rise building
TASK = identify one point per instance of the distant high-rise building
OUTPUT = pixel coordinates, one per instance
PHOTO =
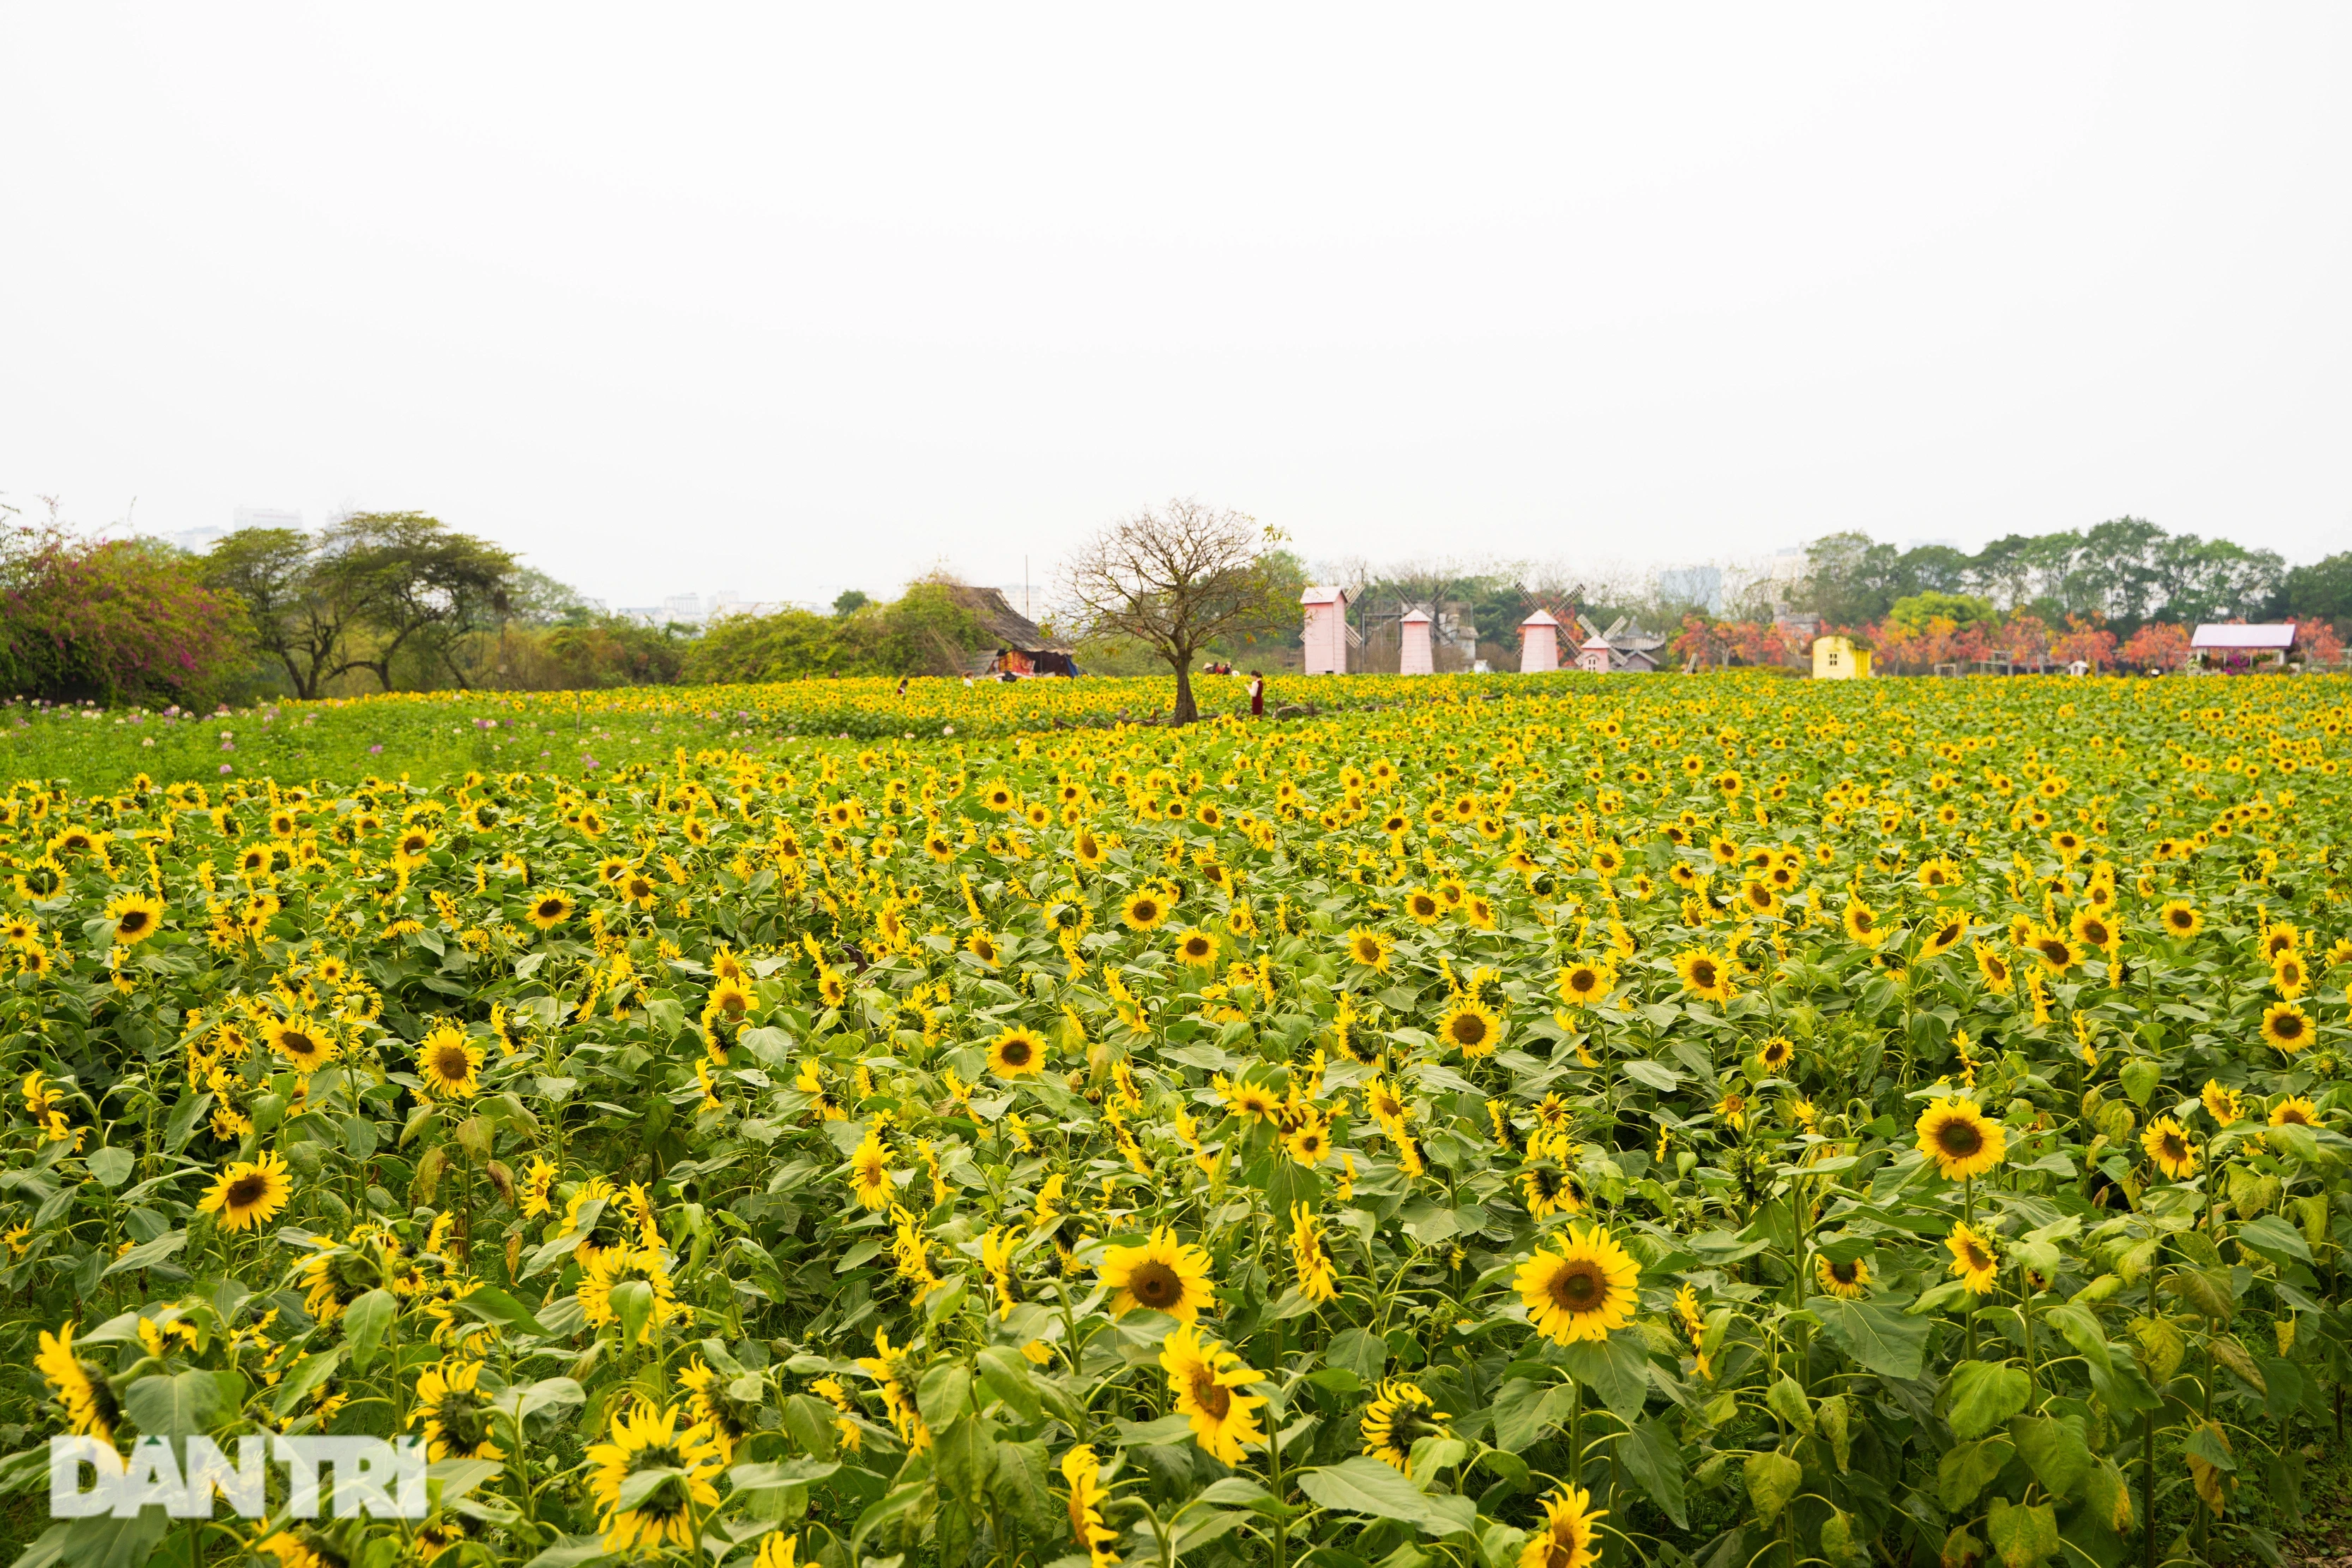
(265, 516)
(685, 607)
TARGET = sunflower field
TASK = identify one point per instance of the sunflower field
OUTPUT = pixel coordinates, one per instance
(1726, 1122)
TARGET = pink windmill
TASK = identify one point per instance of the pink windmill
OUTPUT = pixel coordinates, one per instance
(1325, 638)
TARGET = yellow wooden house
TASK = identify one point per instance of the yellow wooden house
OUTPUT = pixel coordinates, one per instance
(1836, 658)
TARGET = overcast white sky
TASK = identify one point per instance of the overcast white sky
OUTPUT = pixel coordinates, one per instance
(782, 300)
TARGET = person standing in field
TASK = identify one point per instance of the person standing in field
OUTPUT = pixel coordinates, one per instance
(1257, 695)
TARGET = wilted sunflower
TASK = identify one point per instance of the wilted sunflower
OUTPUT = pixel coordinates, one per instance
(1018, 1052)
(1960, 1139)
(646, 1437)
(1974, 1262)
(1705, 973)
(301, 1042)
(79, 1387)
(2285, 1026)
(536, 1184)
(548, 911)
(1845, 1280)
(249, 1192)
(1206, 1378)
(1568, 1537)
(136, 916)
(1370, 948)
(1196, 948)
(1400, 1416)
(456, 1413)
(1584, 1292)
(2167, 1144)
(1144, 911)
(449, 1063)
(1470, 1026)
(1163, 1275)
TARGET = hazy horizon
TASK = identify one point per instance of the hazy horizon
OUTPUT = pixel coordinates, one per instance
(780, 304)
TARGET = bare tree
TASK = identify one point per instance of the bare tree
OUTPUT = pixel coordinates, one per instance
(1176, 578)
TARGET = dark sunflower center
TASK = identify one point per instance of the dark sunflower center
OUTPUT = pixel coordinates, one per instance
(2289, 1026)
(1469, 1029)
(248, 1190)
(550, 908)
(451, 1062)
(1145, 909)
(1578, 1286)
(1016, 1053)
(1958, 1138)
(2173, 1147)
(296, 1044)
(1701, 973)
(1845, 1273)
(1213, 1397)
(1156, 1285)
(464, 1418)
(132, 921)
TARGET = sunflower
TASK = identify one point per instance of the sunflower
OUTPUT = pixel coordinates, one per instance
(1309, 1142)
(536, 1184)
(1196, 948)
(1845, 1280)
(301, 1042)
(1144, 911)
(449, 1063)
(831, 988)
(1776, 1053)
(645, 1437)
(2294, 1110)
(1584, 1292)
(1943, 934)
(78, 1386)
(2057, 952)
(1205, 1377)
(1585, 983)
(1861, 923)
(727, 1419)
(731, 1001)
(1566, 1539)
(549, 910)
(1083, 1471)
(1705, 973)
(1424, 907)
(2179, 918)
(456, 1415)
(136, 916)
(1163, 1275)
(1960, 1139)
(2223, 1105)
(2289, 976)
(617, 1266)
(2095, 931)
(2285, 1026)
(1018, 1052)
(1470, 1026)
(871, 1168)
(1370, 948)
(2167, 1144)
(1400, 1416)
(1974, 1262)
(249, 1192)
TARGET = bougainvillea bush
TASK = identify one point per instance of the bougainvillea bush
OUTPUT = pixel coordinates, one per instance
(1723, 1120)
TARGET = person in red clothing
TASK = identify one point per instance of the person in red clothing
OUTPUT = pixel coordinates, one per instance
(1257, 695)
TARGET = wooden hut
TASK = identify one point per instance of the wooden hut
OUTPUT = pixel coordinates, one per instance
(1414, 655)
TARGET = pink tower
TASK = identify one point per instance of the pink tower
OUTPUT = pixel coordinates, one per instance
(1414, 658)
(1538, 643)
(1325, 640)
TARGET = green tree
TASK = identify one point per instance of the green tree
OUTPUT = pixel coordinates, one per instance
(416, 584)
(297, 620)
(2321, 591)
